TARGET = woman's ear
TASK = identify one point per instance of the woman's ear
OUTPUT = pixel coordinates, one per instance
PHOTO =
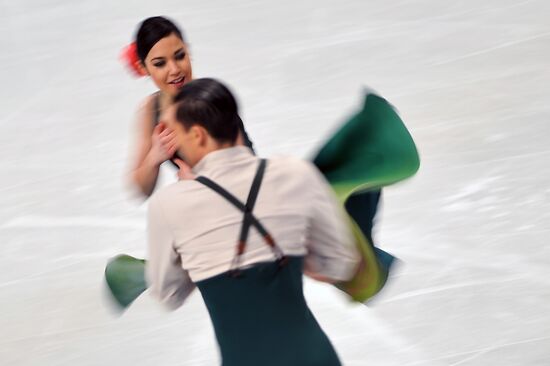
(140, 68)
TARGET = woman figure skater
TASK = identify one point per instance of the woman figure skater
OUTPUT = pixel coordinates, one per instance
(163, 55)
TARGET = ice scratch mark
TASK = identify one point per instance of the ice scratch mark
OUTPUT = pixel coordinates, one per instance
(67, 222)
(435, 289)
(493, 348)
(491, 49)
(478, 352)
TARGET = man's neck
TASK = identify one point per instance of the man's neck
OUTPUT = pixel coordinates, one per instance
(213, 146)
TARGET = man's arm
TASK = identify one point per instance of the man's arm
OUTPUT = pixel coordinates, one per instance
(168, 281)
(332, 255)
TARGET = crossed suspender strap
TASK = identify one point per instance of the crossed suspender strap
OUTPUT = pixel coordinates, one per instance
(248, 217)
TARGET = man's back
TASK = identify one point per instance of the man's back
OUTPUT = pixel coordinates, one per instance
(294, 204)
(193, 241)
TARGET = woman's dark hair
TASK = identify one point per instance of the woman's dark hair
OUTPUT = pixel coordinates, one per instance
(152, 30)
(208, 103)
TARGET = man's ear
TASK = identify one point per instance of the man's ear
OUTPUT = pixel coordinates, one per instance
(199, 135)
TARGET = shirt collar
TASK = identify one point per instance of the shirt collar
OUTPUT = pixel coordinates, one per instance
(222, 157)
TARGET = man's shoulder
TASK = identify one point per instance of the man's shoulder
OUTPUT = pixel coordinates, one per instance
(293, 167)
(173, 192)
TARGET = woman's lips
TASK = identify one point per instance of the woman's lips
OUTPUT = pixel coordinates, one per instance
(178, 83)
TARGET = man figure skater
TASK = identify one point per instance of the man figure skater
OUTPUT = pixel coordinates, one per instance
(243, 231)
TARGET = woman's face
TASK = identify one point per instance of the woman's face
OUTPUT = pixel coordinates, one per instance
(169, 65)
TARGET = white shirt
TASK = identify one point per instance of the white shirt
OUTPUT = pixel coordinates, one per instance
(193, 231)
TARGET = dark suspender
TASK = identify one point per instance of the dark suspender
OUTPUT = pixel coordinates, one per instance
(248, 217)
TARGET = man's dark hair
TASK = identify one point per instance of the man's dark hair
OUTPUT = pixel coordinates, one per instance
(208, 103)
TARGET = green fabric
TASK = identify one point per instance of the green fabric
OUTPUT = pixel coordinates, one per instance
(125, 277)
(261, 317)
(371, 150)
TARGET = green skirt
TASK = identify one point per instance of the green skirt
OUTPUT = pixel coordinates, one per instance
(261, 318)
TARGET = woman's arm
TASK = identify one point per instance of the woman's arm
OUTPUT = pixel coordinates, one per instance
(154, 145)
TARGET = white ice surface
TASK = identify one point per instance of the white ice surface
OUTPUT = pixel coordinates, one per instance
(470, 78)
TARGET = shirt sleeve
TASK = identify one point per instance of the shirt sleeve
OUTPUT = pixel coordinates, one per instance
(331, 247)
(168, 281)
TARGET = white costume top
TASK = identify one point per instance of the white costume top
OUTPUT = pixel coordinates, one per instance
(193, 231)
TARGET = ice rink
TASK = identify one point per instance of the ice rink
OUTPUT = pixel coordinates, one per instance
(471, 79)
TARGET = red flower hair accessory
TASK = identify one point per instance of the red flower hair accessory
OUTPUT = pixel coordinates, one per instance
(130, 58)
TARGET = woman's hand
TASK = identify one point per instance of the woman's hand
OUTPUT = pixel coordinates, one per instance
(163, 144)
(184, 172)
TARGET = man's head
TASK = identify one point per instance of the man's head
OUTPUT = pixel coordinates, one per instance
(205, 118)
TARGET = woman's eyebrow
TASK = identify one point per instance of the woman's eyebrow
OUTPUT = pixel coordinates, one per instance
(157, 58)
(179, 50)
